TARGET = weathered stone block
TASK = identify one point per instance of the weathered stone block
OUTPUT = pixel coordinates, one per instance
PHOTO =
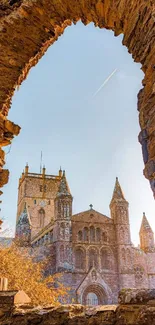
(136, 296)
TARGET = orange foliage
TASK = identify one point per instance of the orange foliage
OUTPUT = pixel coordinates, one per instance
(24, 274)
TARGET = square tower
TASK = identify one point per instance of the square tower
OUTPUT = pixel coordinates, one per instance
(37, 192)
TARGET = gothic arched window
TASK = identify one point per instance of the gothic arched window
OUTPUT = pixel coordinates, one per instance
(86, 234)
(62, 253)
(80, 235)
(79, 259)
(41, 217)
(93, 257)
(105, 258)
(98, 234)
(92, 234)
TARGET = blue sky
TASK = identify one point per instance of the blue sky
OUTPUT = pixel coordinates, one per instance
(93, 139)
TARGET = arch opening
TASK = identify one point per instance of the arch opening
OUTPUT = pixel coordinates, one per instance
(51, 21)
(94, 295)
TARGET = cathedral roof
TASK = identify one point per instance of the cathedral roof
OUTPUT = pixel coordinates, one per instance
(145, 226)
(63, 189)
(117, 193)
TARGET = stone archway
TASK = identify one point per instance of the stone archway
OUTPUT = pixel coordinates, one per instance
(29, 27)
(100, 297)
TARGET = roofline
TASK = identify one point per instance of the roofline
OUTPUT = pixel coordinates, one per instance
(77, 214)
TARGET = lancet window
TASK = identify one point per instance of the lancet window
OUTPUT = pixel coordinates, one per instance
(41, 217)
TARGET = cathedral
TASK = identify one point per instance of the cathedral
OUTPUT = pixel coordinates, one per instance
(93, 252)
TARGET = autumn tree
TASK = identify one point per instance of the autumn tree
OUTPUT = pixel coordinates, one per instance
(25, 274)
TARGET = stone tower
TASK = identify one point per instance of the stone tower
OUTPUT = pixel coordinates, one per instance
(120, 215)
(146, 236)
(62, 228)
(38, 191)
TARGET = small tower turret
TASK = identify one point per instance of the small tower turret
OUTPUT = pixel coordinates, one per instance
(119, 206)
(62, 229)
(63, 200)
(120, 215)
(146, 235)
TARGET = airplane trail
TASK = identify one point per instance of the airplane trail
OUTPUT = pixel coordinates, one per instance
(104, 83)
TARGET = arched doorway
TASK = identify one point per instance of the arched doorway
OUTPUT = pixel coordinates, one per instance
(92, 299)
(94, 295)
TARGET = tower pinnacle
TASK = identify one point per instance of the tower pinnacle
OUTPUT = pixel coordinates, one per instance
(146, 235)
(117, 193)
(63, 187)
(145, 226)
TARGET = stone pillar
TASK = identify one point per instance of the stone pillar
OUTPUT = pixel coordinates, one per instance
(3, 284)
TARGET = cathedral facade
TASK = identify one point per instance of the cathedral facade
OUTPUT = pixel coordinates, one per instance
(93, 252)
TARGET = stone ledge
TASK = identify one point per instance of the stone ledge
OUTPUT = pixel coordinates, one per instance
(80, 315)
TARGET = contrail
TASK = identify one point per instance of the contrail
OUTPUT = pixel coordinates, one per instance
(105, 82)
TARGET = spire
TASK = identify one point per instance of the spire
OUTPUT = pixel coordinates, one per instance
(24, 217)
(145, 226)
(117, 193)
(63, 187)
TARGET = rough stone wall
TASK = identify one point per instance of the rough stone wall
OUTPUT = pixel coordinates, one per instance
(131, 314)
(29, 27)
